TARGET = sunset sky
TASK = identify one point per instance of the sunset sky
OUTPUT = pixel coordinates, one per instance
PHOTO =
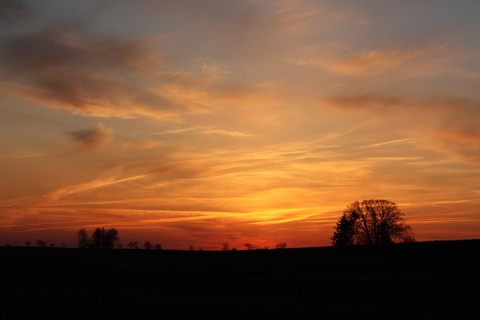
(207, 121)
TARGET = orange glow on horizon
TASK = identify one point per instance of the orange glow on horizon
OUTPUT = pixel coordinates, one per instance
(258, 127)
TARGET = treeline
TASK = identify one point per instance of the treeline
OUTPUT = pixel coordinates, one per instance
(370, 222)
(103, 238)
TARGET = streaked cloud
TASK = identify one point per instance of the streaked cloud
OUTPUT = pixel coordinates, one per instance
(19, 154)
(415, 61)
(393, 142)
(449, 121)
(99, 183)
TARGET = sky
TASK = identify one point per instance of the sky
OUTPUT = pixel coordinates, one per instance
(198, 122)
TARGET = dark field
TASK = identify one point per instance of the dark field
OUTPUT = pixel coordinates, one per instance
(424, 280)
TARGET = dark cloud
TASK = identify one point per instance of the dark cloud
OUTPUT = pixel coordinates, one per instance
(91, 138)
(62, 66)
(11, 10)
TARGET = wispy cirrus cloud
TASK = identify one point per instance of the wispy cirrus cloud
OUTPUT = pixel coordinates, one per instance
(205, 130)
(95, 184)
(408, 61)
(395, 142)
(450, 121)
(21, 154)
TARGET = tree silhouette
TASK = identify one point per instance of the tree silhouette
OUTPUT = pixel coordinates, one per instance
(27, 243)
(83, 240)
(104, 238)
(158, 247)
(225, 246)
(132, 245)
(371, 222)
(249, 246)
(345, 229)
(41, 244)
(147, 245)
(281, 245)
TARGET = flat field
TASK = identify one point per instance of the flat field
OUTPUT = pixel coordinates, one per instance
(423, 280)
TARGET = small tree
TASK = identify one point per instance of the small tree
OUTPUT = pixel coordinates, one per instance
(281, 245)
(345, 230)
(132, 245)
(249, 246)
(158, 246)
(147, 245)
(41, 243)
(83, 240)
(190, 247)
(408, 239)
(27, 243)
(225, 246)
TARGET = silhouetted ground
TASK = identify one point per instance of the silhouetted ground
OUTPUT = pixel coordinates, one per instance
(424, 280)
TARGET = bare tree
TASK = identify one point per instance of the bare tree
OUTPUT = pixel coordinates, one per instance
(409, 238)
(371, 222)
(281, 245)
(83, 239)
(132, 245)
(147, 245)
(41, 243)
(249, 246)
(104, 238)
(225, 246)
